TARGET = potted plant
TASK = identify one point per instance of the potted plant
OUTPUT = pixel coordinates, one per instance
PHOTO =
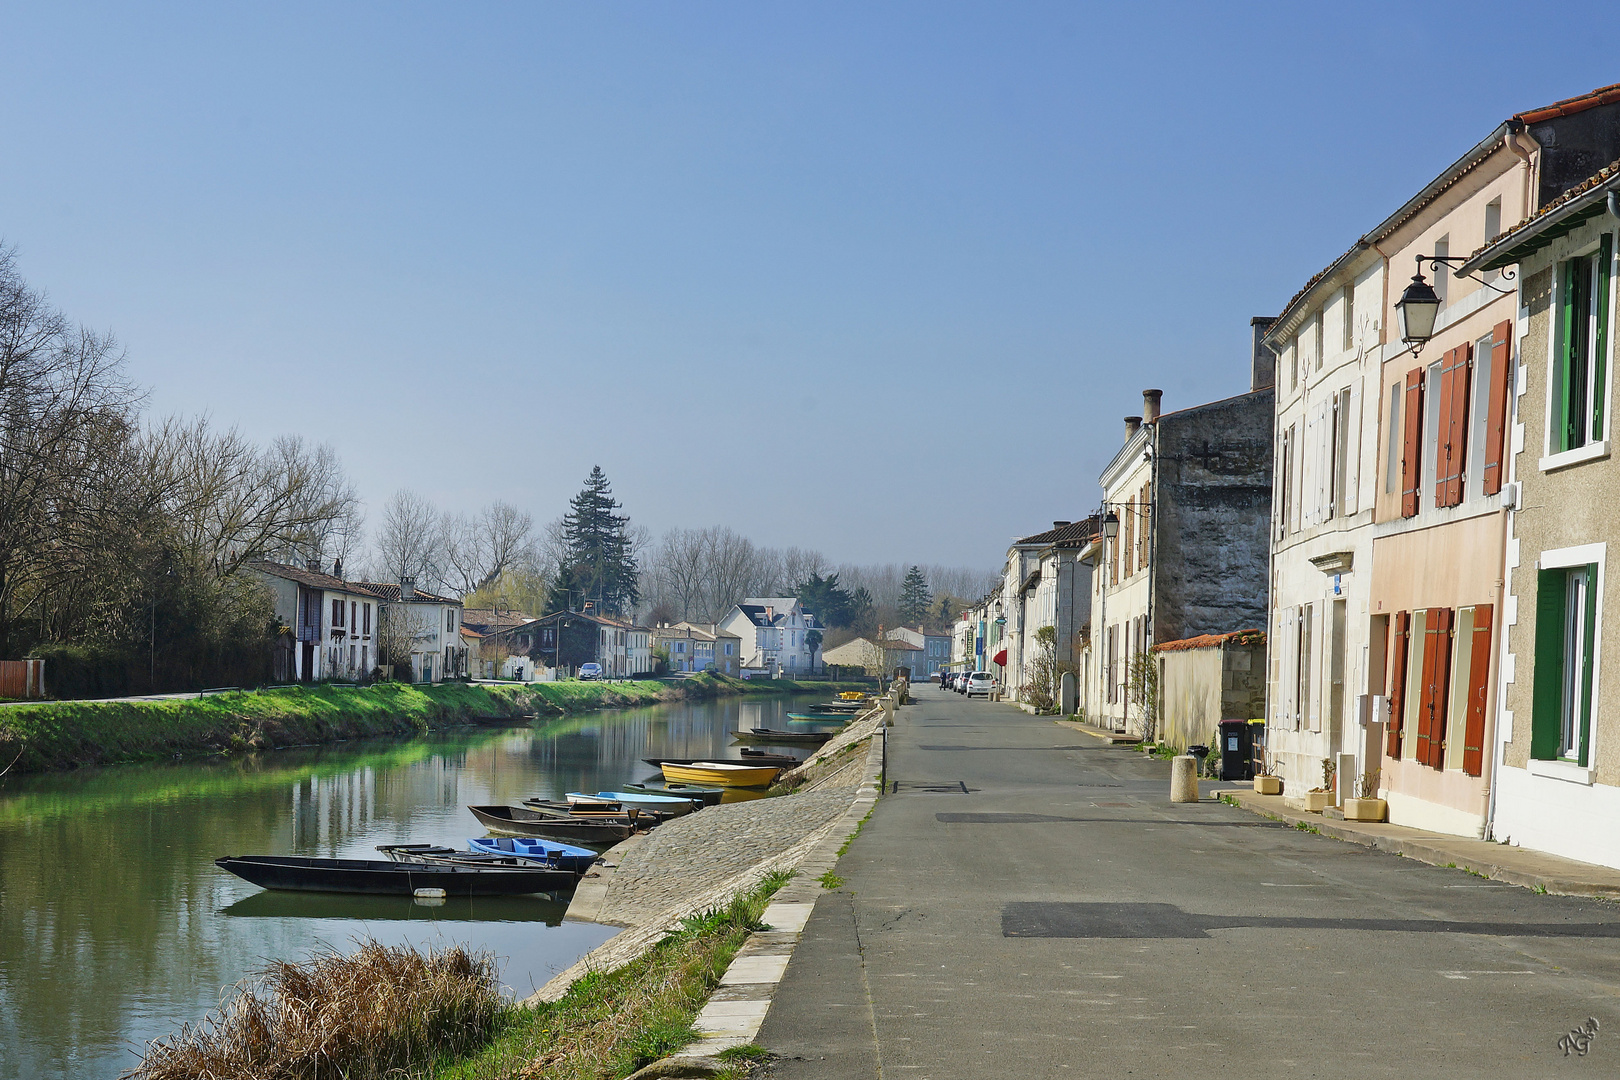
(1366, 806)
(1319, 799)
(1266, 782)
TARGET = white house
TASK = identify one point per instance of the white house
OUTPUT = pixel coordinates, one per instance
(772, 632)
(332, 623)
(432, 623)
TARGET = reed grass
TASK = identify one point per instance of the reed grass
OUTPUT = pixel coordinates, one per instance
(369, 1014)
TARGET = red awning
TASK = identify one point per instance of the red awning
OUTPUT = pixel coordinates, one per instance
(1000, 658)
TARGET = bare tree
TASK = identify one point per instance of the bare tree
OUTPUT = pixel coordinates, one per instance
(479, 549)
(409, 541)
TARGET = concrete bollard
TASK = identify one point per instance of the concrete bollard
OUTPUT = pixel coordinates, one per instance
(1184, 778)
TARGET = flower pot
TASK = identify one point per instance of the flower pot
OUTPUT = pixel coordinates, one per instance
(1268, 785)
(1365, 809)
(1317, 801)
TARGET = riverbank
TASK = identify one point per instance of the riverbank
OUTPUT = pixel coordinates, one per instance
(66, 734)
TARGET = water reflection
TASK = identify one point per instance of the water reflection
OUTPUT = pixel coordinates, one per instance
(115, 926)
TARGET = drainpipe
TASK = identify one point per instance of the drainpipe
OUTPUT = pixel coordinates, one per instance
(1522, 145)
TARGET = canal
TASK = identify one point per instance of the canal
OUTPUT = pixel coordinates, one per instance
(116, 927)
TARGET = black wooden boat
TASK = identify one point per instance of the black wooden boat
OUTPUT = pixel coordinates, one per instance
(746, 757)
(437, 855)
(708, 796)
(521, 821)
(789, 738)
(380, 877)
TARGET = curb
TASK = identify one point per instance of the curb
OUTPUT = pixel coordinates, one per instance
(1452, 853)
(1111, 737)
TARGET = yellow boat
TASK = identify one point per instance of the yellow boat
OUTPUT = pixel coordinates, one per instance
(718, 772)
(852, 695)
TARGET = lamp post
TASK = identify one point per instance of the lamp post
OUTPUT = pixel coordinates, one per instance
(1419, 306)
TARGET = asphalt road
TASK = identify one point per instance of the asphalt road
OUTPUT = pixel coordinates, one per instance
(1061, 918)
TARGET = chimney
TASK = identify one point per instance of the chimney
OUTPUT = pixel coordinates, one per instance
(1060, 524)
(770, 612)
(313, 565)
(407, 588)
(1150, 406)
(1263, 362)
(1132, 425)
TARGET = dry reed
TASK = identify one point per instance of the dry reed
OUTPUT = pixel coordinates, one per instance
(373, 1013)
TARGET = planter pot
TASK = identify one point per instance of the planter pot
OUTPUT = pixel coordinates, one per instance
(1365, 809)
(1268, 785)
(1317, 801)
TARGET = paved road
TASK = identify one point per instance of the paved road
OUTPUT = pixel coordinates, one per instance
(1063, 919)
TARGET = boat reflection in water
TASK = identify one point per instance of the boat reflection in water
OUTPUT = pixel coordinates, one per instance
(547, 908)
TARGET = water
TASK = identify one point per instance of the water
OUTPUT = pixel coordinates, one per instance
(116, 927)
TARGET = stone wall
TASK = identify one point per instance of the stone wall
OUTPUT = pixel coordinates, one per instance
(1219, 678)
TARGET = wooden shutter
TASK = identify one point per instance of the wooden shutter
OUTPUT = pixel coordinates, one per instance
(1412, 444)
(1440, 690)
(1500, 394)
(1479, 671)
(1397, 682)
(1583, 709)
(1453, 453)
(1600, 339)
(1427, 739)
(1547, 686)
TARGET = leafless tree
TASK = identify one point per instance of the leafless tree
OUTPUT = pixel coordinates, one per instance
(409, 541)
(479, 549)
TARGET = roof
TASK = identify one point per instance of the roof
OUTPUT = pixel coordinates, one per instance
(1210, 641)
(1603, 95)
(388, 593)
(469, 632)
(1584, 201)
(487, 619)
(312, 578)
(683, 632)
(1075, 532)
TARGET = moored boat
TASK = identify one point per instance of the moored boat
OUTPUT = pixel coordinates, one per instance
(722, 773)
(438, 854)
(380, 877)
(745, 756)
(819, 718)
(768, 735)
(708, 796)
(673, 805)
(522, 821)
(562, 856)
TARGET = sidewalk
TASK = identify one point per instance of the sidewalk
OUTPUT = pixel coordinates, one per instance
(1499, 862)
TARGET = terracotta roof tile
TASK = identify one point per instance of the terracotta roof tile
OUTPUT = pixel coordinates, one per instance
(1209, 641)
(1603, 95)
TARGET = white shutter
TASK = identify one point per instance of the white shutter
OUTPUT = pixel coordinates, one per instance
(1352, 466)
(1308, 471)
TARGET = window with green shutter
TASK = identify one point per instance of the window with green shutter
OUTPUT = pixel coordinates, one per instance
(1566, 624)
(1581, 372)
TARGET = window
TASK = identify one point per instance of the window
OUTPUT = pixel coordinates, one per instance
(1285, 480)
(1566, 631)
(449, 620)
(1431, 425)
(1392, 457)
(1302, 669)
(1493, 229)
(1316, 338)
(1143, 502)
(1349, 309)
(367, 611)
(1412, 444)
(1579, 385)
(1339, 451)
(1451, 425)
(1293, 364)
(337, 613)
(1470, 684)
(354, 611)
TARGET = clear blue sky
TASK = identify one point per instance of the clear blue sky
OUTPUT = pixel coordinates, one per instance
(792, 268)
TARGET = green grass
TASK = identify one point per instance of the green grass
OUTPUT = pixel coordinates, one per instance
(858, 827)
(610, 1024)
(65, 734)
(830, 880)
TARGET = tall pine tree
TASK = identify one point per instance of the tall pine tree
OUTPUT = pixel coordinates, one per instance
(914, 597)
(601, 566)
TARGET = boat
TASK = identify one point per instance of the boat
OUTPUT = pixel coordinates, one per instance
(767, 735)
(562, 856)
(837, 706)
(300, 873)
(819, 718)
(438, 854)
(673, 805)
(625, 815)
(852, 695)
(522, 821)
(745, 756)
(708, 796)
(723, 773)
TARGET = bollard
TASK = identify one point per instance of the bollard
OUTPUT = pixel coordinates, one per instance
(1184, 778)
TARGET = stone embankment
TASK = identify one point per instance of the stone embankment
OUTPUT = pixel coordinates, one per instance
(650, 883)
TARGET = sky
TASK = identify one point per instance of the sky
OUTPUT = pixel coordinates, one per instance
(875, 279)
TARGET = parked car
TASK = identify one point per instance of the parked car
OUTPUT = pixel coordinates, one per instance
(936, 677)
(980, 682)
(590, 671)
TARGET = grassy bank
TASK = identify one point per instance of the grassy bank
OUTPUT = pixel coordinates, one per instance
(65, 734)
(439, 1017)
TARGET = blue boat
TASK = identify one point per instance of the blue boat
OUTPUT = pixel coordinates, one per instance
(562, 856)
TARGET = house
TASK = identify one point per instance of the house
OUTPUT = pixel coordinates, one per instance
(427, 625)
(775, 635)
(490, 620)
(1185, 551)
(879, 656)
(330, 624)
(1049, 586)
(936, 650)
(1554, 749)
(565, 640)
(638, 650)
(687, 646)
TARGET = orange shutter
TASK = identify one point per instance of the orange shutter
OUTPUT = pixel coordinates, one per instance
(1440, 694)
(1496, 418)
(1453, 425)
(1397, 682)
(1479, 669)
(1412, 444)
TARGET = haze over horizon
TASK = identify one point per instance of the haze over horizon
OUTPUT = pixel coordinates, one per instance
(757, 263)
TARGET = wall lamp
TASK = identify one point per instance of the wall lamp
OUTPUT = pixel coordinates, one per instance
(1419, 305)
(1110, 525)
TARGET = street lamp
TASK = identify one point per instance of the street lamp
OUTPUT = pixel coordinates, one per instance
(1419, 305)
(1110, 525)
